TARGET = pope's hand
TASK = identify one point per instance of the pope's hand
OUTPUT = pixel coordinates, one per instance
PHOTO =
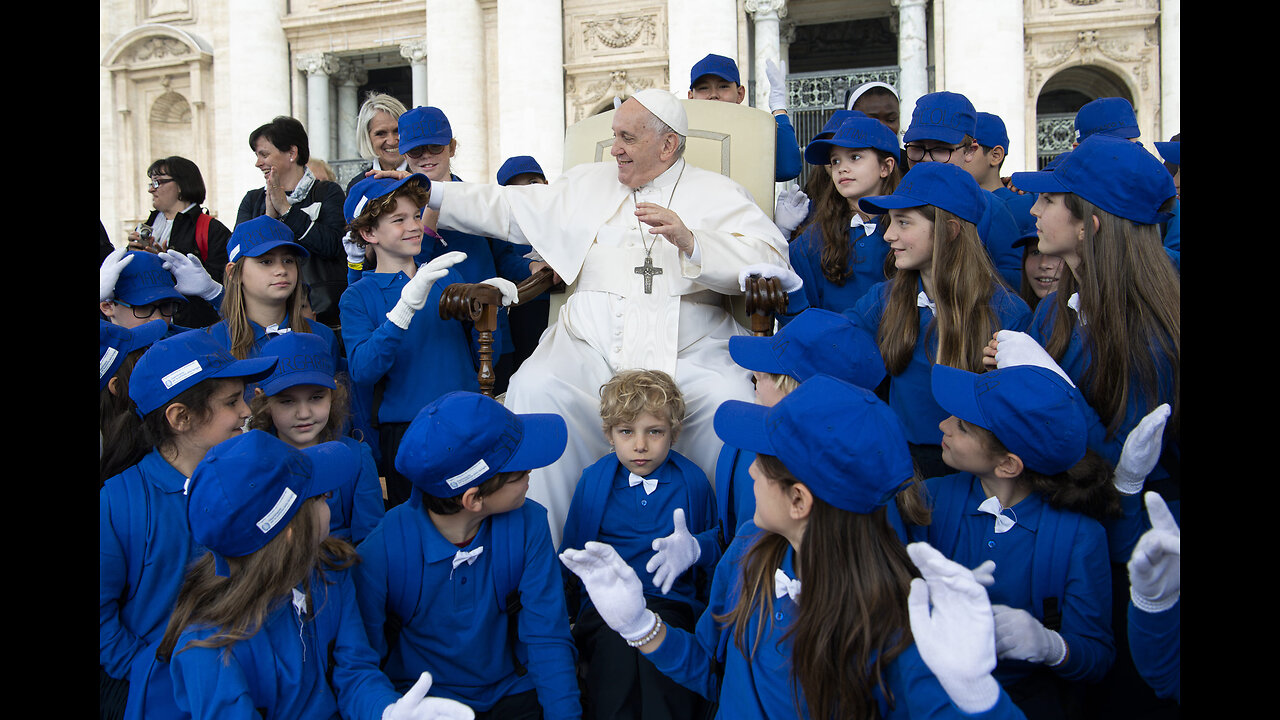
(664, 221)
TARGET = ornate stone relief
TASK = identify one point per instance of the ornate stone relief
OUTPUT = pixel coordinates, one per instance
(584, 93)
(618, 32)
(158, 48)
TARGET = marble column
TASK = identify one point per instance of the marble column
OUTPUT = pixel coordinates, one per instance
(531, 76)
(786, 36)
(913, 55)
(696, 28)
(415, 52)
(349, 80)
(1170, 69)
(318, 67)
(456, 80)
(766, 15)
(257, 66)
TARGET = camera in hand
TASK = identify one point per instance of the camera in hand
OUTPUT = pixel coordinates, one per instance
(144, 231)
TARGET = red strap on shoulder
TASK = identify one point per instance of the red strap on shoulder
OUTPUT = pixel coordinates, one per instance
(202, 235)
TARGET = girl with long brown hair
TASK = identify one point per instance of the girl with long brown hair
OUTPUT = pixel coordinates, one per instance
(267, 620)
(841, 648)
(945, 299)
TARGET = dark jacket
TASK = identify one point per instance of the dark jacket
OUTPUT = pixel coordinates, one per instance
(197, 312)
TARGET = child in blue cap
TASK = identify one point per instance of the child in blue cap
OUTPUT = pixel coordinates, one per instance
(841, 253)
(188, 393)
(634, 498)
(302, 404)
(267, 618)
(1030, 497)
(462, 579)
(401, 354)
(794, 211)
(715, 77)
(841, 645)
(263, 290)
(944, 301)
(119, 349)
(135, 288)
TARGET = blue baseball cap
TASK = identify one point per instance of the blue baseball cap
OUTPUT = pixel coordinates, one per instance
(932, 183)
(246, 490)
(1115, 174)
(854, 132)
(1055, 162)
(817, 342)
(718, 65)
(1110, 116)
(518, 165)
(1031, 410)
(835, 121)
(144, 280)
(302, 359)
(260, 235)
(174, 364)
(372, 188)
(1170, 151)
(424, 126)
(115, 342)
(990, 131)
(840, 440)
(943, 116)
(1026, 223)
(463, 438)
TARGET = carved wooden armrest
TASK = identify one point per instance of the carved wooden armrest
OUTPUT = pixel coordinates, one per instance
(765, 298)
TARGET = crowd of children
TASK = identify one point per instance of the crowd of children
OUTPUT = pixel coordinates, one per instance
(964, 447)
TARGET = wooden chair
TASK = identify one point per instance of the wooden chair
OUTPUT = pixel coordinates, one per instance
(733, 140)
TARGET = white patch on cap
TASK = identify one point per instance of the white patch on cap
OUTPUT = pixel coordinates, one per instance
(181, 374)
(471, 473)
(104, 364)
(360, 206)
(234, 252)
(282, 506)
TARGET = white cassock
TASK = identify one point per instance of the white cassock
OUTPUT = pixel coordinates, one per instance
(584, 226)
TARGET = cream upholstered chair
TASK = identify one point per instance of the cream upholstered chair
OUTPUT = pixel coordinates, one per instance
(733, 140)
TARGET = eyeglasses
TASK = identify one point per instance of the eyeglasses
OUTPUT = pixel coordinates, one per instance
(156, 182)
(916, 153)
(430, 149)
(142, 312)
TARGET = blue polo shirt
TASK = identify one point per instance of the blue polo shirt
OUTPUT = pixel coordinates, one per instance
(356, 508)
(422, 363)
(866, 265)
(1155, 641)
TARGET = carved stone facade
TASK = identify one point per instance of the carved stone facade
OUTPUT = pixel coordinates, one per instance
(611, 49)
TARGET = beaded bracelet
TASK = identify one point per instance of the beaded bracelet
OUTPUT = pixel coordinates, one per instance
(657, 625)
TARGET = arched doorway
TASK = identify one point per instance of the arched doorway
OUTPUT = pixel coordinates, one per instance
(1061, 97)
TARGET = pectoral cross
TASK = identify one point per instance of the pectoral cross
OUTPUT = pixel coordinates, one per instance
(648, 271)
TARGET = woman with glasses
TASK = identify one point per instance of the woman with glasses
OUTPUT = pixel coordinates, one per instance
(178, 224)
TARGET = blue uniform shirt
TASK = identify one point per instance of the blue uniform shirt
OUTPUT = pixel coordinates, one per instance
(281, 668)
(866, 263)
(911, 392)
(1001, 232)
(355, 509)
(787, 158)
(1155, 641)
(422, 363)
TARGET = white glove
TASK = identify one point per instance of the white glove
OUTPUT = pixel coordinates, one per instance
(414, 705)
(777, 86)
(614, 588)
(791, 209)
(957, 639)
(1141, 451)
(791, 282)
(510, 295)
(1019, 635)
(984, 574)
(355, 253)
(414, 294)
(109, 272)
(192, 278)
(1154, 569)
(676, 553)
(1019, 348)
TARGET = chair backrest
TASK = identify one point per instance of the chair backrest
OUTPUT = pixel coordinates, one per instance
(733, 140)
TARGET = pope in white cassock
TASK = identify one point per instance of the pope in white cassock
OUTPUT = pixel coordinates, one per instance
(655, 245)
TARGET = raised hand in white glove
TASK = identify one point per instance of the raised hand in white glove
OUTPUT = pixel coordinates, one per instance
(791, 209)
(1155, 568)
(355, 253)
(676, 553)
(957, 639)
(415, 705)
(192, 278)
(1020, 636)
(791, 282)
(1141, 451)
(1019, 348)
(109, 272)
(777, 86)
(510, 294)
(414, 294)
(614, 588)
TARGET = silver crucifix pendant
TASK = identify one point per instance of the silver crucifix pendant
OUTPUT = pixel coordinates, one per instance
(648, 271)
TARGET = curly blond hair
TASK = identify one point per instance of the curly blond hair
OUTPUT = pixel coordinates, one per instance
(631, 393)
